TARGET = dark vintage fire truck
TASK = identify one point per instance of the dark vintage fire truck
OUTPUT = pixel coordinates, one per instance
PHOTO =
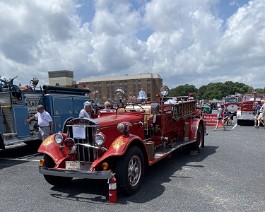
(17, 103)
(122, 142)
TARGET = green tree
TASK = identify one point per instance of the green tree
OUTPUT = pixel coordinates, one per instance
(216, 90)
(183, 90)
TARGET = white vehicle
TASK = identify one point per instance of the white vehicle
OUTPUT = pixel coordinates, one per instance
(232, 104)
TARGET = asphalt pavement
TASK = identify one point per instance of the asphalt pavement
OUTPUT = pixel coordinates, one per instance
(228, 175)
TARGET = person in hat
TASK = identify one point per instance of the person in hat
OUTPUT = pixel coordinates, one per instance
(86, 111)
(45, 122)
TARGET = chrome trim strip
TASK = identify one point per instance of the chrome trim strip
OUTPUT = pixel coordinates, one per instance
(77, 173)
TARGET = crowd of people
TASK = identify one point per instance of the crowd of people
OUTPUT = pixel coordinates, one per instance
(45, 122)
(223, 117)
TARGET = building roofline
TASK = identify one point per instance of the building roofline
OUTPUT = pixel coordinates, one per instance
(117, 78)
(61, 73)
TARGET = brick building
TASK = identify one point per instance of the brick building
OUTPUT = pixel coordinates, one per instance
(105, 86)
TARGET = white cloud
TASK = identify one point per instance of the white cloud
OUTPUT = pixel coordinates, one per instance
(188, 42)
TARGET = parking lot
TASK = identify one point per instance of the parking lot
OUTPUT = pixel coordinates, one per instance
(228, 175)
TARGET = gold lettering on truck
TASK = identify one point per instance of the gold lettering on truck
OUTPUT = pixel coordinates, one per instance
(47, 141)
(119, 142)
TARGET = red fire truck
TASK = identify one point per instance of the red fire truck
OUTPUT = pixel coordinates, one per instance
(245, 113)
(122, 142)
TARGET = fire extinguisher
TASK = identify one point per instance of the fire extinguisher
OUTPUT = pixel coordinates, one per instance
(186, 131)
(112, 190)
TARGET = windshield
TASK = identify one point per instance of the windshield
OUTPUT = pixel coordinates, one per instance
(232, 99)
(250, 97)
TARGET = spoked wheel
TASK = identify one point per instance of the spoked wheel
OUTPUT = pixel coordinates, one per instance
(54, 180)
(130, 171)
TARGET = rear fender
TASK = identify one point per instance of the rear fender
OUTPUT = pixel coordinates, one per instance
(118, 147)
(51, 148)
(194, 127)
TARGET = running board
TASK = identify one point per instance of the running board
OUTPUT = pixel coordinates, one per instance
(166, 151)
(11, 139)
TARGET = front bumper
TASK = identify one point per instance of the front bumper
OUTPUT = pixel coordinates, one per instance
(246, 117)
(82, 174)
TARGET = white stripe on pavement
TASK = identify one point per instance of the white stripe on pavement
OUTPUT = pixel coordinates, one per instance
(234, 126)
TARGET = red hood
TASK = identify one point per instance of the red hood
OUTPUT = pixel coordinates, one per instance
(114, 119)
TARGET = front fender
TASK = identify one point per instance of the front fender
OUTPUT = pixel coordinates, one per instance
(117, 148)
(51, 148)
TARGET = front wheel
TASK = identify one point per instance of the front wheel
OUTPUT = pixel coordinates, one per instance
(130, 171)
(54, 180)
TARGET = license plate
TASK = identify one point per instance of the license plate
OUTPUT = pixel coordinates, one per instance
(72, 165)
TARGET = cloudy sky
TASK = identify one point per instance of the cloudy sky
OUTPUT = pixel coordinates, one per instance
(185, 41)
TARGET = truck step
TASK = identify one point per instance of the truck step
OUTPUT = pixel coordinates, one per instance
(9, 135)
(166, 151)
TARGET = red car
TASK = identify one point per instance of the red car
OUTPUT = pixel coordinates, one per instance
(123, 142)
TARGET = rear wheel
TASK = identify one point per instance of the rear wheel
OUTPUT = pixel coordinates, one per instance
(54, 180)
(130, 171)
(199, 144)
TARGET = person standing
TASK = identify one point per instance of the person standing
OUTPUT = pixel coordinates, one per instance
(86, 112)
(261, 115)
(256, 108)
(45, 122)
(220, 118)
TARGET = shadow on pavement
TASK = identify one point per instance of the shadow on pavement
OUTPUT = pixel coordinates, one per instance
(152, 187)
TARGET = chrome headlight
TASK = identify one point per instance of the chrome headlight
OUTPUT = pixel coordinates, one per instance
(100, 139)
(58, 138)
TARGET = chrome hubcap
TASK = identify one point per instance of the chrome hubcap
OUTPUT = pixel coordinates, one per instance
(134, 170)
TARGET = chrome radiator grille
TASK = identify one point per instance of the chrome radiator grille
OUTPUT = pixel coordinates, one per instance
(85, 153)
